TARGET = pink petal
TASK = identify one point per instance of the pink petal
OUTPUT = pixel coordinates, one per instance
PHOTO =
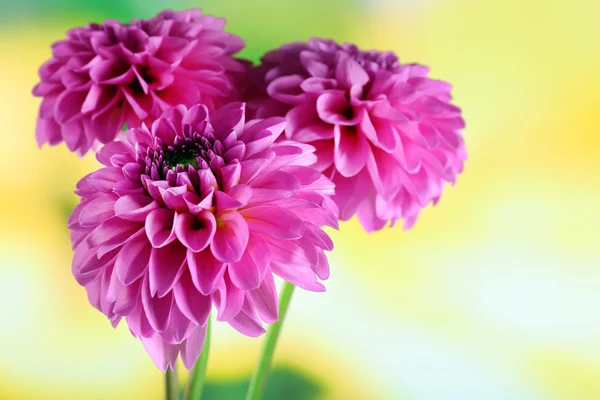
(318, 85)
(132, 261)
(111, 72)
(304, 124)
(162, 353)
(248, 273)
(125, 297)
(264, 299)
(206, 270)
(179, 326)
(303, 277)
(135, 207)
(195, 233)
(351, 151)
(192, 303)
(158, 310)
(160, 227)
(164, 129)
(107, 125)
(112, 233)
(368, 217)
(258, 136)
(386, 173)
(247, 321)
(73, 135)
(174, 197)
(252, 168)
(286, 89)
(166, 266)
(68, 105)
(97, 211)
(137, 321)
(322, 268)
(231, 237)
(230, 176)
(272, 185)
(349, 73)
(98, 97)
(192, 347)
(334, 107)
(196, 115)
(47, 131)
(228, 118)
(225, 202)
(231, 300)
(274, 221)
(104, 179)
(114, 148)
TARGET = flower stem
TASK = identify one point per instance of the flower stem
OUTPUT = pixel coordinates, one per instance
(257, 383)
(171, 384)
(197, 378)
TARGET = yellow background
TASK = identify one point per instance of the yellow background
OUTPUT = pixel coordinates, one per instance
(493, 295)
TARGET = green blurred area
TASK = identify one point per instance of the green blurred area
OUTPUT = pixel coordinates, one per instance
(283, 383)
(287, 20)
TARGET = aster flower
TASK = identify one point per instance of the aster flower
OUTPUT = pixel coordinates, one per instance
(198, 210)
(384, 132)
(103, 76)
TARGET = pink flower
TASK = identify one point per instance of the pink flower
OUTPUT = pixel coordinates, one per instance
(196, 210)
(384, 132)
(104, 76)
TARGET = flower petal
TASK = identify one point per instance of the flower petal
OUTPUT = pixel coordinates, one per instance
(248, 273)
(166, 266)
(195, 233)
(230, 300)
(160, 227)
(162, 353)
(132, 261)
(247, 321)
(134, 207)
(348, 73)
(192, 347)
(264, 299)
(158, 309)
(231, 237)
(274, 221)
(206, 270)
(192, 303)
(351, 151)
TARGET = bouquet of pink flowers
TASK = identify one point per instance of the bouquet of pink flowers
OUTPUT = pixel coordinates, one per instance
(218, 175)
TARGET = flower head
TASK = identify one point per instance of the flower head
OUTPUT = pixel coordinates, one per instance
(197, 210)
(384, 132)
(103, 76)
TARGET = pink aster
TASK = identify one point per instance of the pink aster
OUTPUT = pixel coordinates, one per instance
(384, 132)
(103, 76)
(198, 210)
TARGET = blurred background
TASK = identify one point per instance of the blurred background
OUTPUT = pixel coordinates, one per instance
(493, 295)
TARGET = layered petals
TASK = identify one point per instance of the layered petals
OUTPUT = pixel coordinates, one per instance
(383, 131)
(104, 76)
(198, 209)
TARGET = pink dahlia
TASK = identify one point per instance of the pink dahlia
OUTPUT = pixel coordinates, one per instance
(384, 132)
(197, 210)
(104, 76)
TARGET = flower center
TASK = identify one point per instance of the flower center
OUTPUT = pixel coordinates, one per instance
(183, 158)
(194, 149)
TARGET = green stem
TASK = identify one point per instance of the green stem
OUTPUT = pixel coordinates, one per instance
(171, 384)
(197, 378)
(257, 383)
